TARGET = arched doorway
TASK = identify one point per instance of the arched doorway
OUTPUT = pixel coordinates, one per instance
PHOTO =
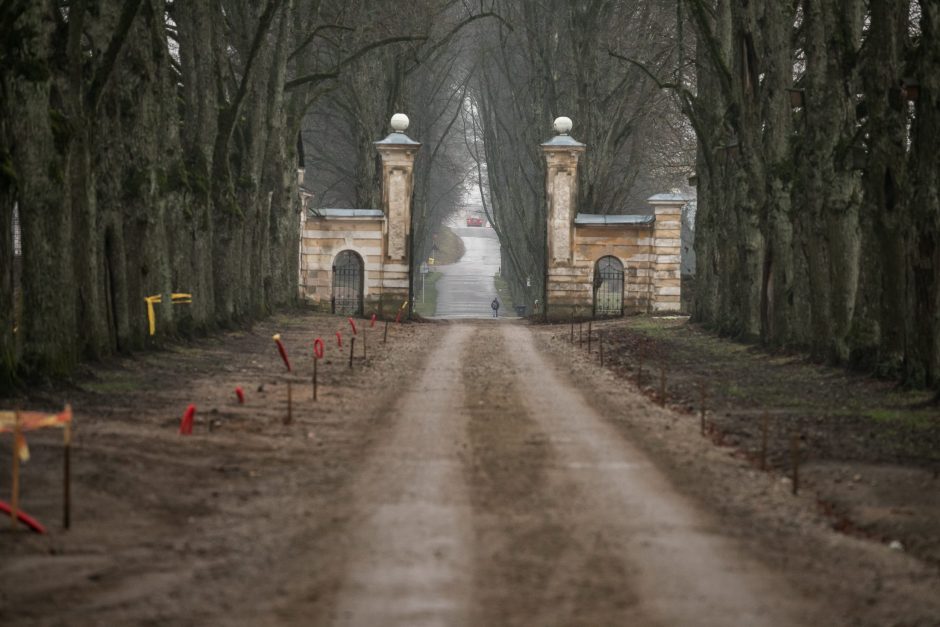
(348, 281)
(608, 287)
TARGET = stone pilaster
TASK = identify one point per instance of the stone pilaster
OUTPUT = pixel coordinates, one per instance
(665, 251)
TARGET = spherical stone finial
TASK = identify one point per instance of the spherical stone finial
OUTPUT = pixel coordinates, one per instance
(562, 125)
(400, 122)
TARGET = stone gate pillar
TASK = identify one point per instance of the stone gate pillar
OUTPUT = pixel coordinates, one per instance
(565, 293)
(397, 152)
(665, 256)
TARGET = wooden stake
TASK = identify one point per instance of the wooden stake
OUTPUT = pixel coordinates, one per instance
(67, 476)
(15, 491)
(352, 348)
(765, 419)
(662, 387)
(315, 360)
(365, 334)
(290, 404)
(589, 338)
(639, 370)
(572, 331)
(385, 335)
(600, 346)
(795, 461)
(702, 409)
(580, 334)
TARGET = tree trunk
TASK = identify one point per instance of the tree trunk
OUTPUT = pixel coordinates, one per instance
(7, 300)
(50, 333)
(923, 349)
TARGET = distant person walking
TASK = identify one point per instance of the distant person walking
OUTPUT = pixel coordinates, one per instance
(495, 306)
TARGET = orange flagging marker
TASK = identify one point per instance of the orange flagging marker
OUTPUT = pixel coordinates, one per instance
(17, 422)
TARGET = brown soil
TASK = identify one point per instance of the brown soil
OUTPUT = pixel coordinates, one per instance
(868, 452)
(168, 529)
(456, 476)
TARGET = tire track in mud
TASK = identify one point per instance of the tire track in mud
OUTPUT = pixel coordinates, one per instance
(681, 566)
(410, 558)
(532, 567)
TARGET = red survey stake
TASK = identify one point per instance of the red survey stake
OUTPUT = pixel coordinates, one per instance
(186, 424)
(282, 350)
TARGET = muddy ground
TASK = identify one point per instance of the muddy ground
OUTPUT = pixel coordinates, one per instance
(258, 522)
(171, 529)
(868, 451)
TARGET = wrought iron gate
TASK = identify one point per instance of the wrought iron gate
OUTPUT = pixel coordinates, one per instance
(608, 287)
(348, 278)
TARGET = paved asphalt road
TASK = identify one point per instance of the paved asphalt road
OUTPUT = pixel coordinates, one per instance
(467, 288)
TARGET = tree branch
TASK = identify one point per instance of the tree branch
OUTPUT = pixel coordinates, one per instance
(312, 36)
(687, 99)
(456, 29)
(699, 13)
(106, 68)
(229, 114)
(645, 70)
(334, 72)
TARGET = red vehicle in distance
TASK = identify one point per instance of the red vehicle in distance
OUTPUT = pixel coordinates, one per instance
(474, 221)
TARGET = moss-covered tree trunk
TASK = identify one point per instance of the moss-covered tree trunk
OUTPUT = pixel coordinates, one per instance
(40, 134)
(923, 252)
(879, 325)
(200, 24)
(7, 303)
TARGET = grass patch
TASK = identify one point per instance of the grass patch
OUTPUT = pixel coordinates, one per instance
(115, 385)
(426, 304)
(843, 415)
(656, 327)
(917, 419)
(735, 391)
(450, 247)
(505, 296)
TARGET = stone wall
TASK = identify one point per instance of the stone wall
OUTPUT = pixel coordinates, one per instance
(647, 246)
(381, 237)
(649, 254)
(323, 239)
(629, 244)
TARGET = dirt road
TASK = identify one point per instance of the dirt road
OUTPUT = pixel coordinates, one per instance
(461, 475)
(618, 530)
(411, 564)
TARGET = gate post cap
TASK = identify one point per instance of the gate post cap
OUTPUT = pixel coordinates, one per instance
(562, 125)
(400, 122)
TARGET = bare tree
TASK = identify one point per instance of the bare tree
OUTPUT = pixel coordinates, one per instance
(553, 58)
